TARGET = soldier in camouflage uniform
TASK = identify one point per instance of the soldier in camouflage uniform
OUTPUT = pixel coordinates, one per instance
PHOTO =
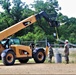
(51, 54)
(66, 51)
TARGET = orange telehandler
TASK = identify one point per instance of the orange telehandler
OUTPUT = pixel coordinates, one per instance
(10, 52)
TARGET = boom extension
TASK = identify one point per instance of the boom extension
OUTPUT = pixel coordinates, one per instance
(52, 23)
(26, 22)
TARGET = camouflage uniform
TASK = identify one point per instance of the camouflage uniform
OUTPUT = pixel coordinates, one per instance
(51, 54)
(66, 51)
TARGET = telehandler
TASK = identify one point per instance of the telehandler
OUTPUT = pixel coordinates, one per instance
(10, 52)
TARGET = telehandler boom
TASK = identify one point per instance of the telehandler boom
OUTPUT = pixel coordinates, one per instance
(9, 53)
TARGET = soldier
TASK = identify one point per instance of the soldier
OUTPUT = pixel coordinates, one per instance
(66, 51)
(51, 54)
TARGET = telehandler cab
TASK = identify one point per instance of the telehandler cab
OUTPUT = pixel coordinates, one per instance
(10, 49)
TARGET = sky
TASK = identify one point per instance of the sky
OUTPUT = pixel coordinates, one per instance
(67, 7)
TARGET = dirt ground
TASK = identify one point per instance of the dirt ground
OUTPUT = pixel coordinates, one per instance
(34, 68)
(41, 69)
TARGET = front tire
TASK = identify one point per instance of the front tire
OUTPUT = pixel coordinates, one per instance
(39, 56)
(9, 58)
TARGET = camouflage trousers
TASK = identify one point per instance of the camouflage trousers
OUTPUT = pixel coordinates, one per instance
(67, 59)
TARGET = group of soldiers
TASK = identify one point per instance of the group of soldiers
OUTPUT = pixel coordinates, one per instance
(66, 52)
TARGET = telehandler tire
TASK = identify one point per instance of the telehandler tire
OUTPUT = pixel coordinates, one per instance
(39, 56)
(9, 58)
(23, 60)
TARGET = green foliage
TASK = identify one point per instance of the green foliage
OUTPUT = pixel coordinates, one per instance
(68, 30)
(29, 37)
(5, 5)
(62, 18)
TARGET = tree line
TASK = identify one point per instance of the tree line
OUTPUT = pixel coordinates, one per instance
(16, 10)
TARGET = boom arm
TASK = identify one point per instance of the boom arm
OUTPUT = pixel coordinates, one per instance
(52, 23)
(24, 23)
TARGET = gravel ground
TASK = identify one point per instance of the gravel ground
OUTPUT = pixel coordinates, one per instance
(33, 68)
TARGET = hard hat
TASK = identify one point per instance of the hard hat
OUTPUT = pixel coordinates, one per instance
(66, 41)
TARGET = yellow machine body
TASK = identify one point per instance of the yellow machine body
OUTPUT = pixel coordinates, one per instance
(21, 51)
(15, 28)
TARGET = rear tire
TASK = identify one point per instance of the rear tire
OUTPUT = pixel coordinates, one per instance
(23, 60)
(9, 58)
(39, 56)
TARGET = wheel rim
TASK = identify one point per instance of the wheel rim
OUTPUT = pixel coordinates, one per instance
(40, 56)
(9, 58)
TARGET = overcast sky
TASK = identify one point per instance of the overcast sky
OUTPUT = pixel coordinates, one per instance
(68, 7)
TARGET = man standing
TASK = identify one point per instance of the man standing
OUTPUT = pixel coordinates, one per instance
(66, 51)
(51, 54)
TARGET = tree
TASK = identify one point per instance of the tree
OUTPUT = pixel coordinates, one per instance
(62, 19)
(5, 5)
(17, 10)
(50, 8)
(68, 30)
(13, 13)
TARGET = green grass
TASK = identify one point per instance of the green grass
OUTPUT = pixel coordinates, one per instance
(73, 55)
(0, 61)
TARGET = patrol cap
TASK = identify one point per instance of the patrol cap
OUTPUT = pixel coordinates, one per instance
(66, 41)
